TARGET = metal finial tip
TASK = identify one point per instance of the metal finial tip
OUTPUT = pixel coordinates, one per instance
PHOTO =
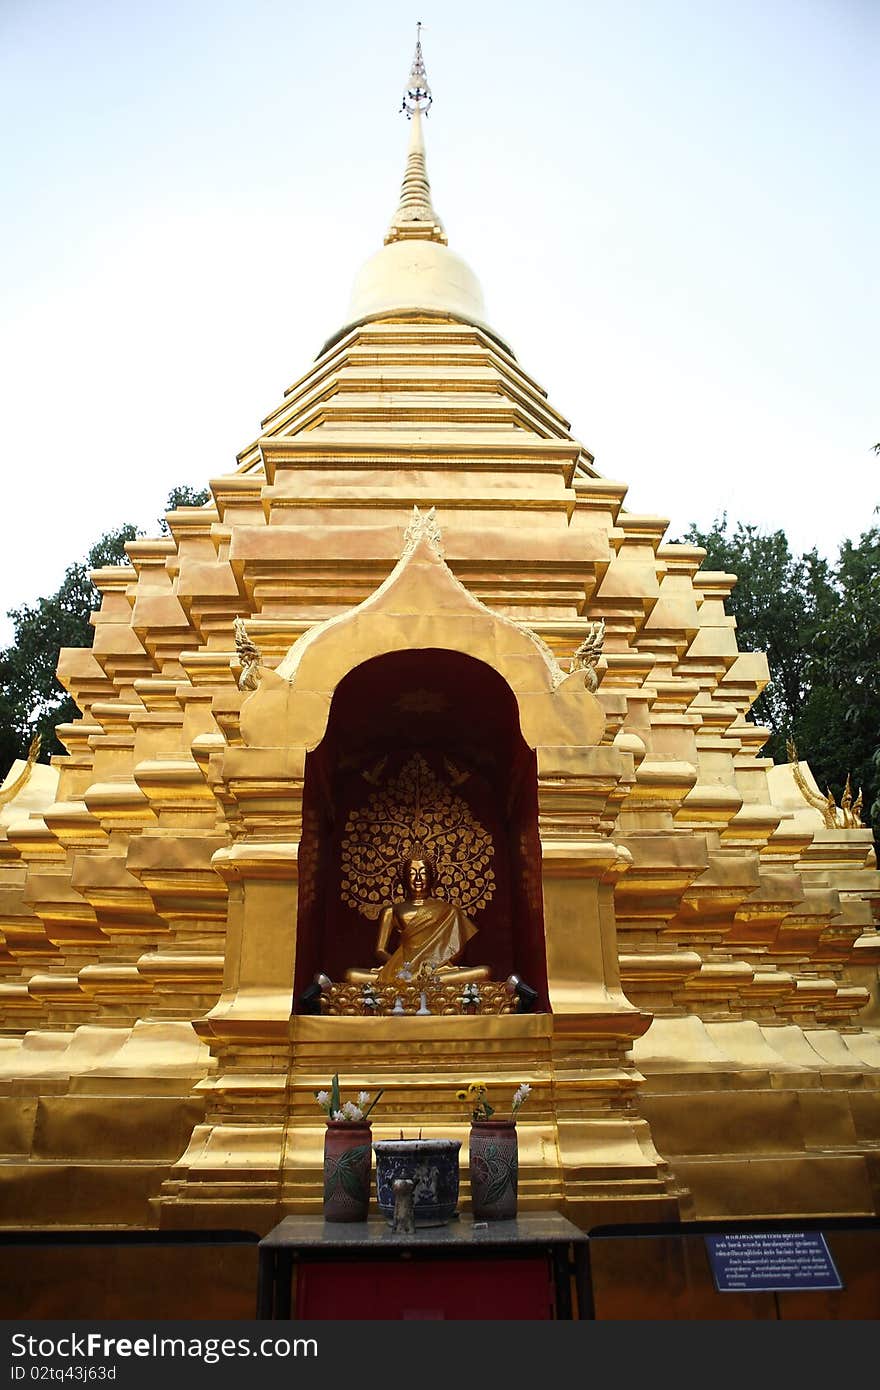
(417, 94)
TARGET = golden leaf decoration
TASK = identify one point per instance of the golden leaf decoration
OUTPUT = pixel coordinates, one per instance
(415, 809)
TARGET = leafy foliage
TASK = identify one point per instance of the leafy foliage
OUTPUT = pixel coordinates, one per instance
(819, 624)
(32, 700)
(182, 496)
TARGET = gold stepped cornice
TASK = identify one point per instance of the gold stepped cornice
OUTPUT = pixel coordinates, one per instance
(360, 377)
(680, 558)
(445, 355)
(69, 920)
(444, 413)
(113, 579)
(190, 523)
(435, 398)
(83, 677)
(34, 842)
(356, 405)
(382, 353)
(596, 493)
(240, 491)
(307, 501)
(406, 339)
(445, 349)
(643, 527)
(74, 826)
(715, 585)
(388, 448)
(275, 635)
(122, 906)
(75, 737)
(242, 494)
(344, 584)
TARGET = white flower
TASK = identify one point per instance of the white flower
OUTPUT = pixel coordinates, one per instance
(363, 1098)
(323, 1099)
(520, 1094)
(350, 1111)
(337, 1115)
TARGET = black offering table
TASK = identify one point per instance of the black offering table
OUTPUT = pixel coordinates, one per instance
(449, 1257)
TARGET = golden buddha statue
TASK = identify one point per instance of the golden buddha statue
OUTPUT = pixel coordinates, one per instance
(431, 932)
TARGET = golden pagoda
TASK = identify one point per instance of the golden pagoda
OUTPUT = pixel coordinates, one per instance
(415, 615)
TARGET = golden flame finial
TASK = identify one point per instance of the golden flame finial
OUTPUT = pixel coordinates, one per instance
(415, 218)
(11, 792)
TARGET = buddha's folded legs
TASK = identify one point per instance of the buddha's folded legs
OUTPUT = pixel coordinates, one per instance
(446, 975)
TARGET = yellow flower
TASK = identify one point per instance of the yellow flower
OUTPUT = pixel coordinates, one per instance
(461, 1095)
(477, 1088)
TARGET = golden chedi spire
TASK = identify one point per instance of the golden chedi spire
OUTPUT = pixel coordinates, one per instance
(415, 216)
(415, 274)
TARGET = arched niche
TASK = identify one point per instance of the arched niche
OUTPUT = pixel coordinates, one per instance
(420, 605)
(452, 721)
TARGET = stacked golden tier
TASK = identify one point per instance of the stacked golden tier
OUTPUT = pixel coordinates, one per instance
(703, 948)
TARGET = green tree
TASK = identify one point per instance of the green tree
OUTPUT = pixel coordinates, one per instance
(848, 671)
(820, 627)
(182, 496)
(32, 700)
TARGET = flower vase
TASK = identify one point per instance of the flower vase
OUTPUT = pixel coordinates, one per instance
(348, 1159)
(494, 1162)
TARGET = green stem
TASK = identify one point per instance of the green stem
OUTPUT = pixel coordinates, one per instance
(373, 1102)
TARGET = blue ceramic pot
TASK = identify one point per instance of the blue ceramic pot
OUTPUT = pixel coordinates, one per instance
(431, 1165)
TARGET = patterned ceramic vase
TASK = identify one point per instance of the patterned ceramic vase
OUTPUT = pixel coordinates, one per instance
(431, 1165)
(494, 1162)
(348, 1160)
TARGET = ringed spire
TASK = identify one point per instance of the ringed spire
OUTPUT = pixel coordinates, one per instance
(415, 275)
(415, 218)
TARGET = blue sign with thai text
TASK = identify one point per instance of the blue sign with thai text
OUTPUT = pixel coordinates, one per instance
(771, 1261)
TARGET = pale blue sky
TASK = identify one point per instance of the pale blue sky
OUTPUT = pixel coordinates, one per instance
(672, 208)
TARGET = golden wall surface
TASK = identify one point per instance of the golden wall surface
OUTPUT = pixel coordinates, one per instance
(711, 1045)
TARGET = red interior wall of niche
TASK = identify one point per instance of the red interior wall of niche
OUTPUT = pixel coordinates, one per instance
(437, 703)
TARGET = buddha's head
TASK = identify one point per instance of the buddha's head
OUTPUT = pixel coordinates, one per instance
(417, 874)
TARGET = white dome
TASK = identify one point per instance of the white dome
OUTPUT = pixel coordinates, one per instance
(413, 275)
(416, 274)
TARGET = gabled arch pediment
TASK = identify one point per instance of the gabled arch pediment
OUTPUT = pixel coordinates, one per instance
(421, 604)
